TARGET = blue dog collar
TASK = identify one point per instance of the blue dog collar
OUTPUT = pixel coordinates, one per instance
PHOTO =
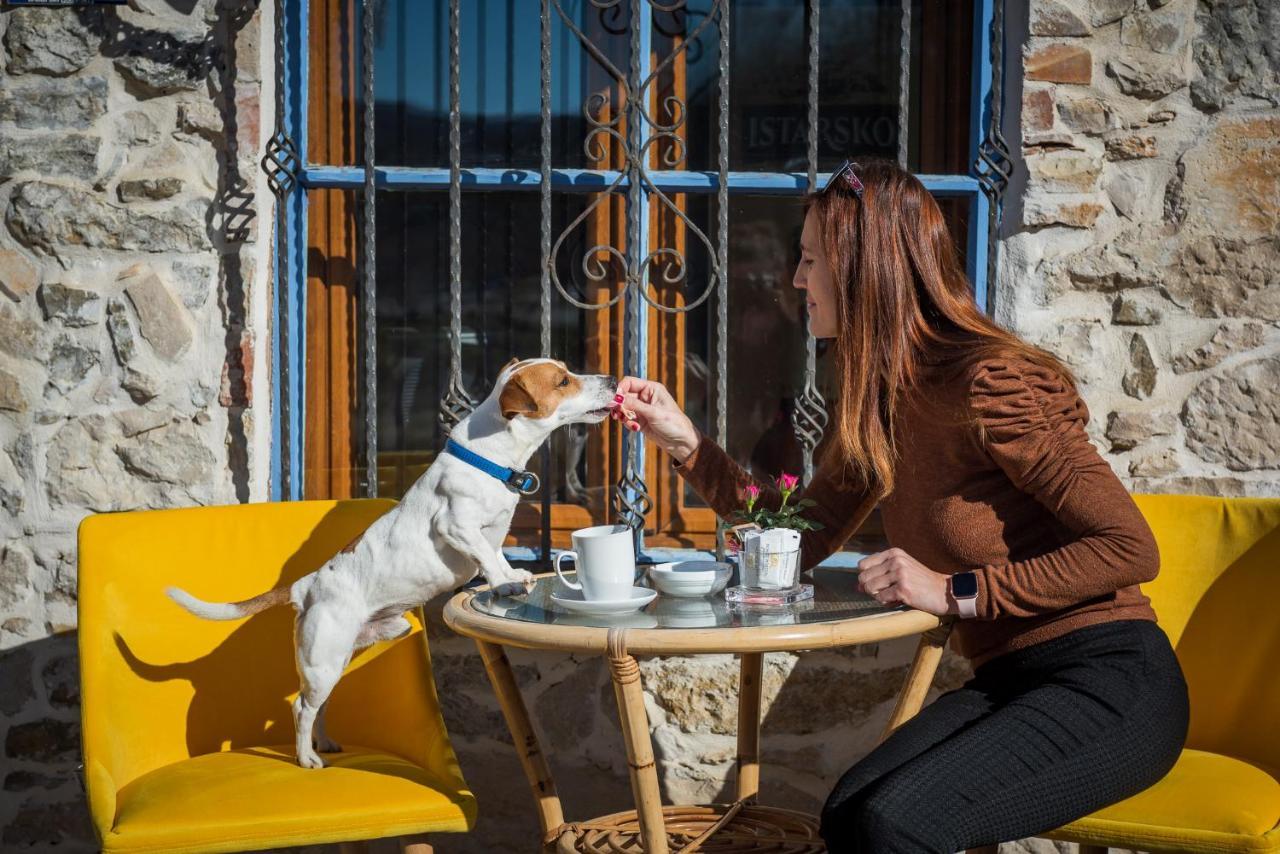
(523, 482)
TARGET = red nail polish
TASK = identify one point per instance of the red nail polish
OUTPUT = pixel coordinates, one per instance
(618, 398)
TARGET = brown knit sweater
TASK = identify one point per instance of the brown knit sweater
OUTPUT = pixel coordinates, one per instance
(1054, 538)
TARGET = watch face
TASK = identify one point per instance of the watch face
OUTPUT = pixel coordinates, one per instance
(964, 584)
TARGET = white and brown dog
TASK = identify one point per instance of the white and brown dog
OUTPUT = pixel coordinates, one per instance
(449, 525)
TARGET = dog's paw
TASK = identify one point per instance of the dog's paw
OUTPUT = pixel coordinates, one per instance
(328, 745)
(518, 583)
(310, 759)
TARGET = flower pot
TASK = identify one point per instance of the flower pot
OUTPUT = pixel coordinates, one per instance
(770, 560)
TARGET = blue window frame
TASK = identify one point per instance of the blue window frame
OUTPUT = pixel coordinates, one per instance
(979, 190)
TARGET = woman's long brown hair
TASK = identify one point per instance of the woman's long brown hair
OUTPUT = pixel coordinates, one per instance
(902, 300)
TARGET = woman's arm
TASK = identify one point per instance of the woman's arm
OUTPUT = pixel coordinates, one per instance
(840, 504)
(1034, 430)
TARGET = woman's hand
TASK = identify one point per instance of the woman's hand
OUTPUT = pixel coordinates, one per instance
(647, 405)
(893, 576)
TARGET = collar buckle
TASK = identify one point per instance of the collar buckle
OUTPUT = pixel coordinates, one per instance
(523, 482)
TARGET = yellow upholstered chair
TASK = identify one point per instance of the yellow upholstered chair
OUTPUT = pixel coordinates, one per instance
(187, 728)
(1217, 596)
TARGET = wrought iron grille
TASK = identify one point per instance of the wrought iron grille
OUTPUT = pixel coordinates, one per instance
(641, 135)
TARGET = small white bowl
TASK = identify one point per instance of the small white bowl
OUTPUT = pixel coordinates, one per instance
(690, 578)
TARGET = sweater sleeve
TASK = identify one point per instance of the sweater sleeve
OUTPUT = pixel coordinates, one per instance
(1033, 426)
(841, 504)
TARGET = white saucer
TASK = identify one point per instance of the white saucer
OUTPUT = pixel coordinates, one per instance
(571, 600)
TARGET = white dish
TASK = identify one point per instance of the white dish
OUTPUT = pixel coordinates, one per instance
(690, 578)
(571, 600)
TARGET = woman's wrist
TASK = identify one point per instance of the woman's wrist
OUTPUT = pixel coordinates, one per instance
(682, 449)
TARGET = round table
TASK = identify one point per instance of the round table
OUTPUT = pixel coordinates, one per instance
(838, 615)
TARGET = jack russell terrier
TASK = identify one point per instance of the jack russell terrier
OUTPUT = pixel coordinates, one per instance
(449, 525)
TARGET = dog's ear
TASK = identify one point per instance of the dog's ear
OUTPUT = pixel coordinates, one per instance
(515, 360)
(516, 399)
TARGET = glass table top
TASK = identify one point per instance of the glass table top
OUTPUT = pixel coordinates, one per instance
(836, 597)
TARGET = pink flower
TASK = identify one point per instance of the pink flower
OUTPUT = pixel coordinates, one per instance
(788, 482)
(753, 492)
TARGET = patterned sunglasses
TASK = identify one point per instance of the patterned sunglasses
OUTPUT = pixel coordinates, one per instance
(846, 176)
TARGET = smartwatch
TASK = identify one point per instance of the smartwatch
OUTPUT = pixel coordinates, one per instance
(964, 589)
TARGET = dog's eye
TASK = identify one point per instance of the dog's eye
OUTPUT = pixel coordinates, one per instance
(564, 382)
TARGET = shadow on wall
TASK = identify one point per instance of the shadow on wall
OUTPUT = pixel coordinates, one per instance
(156, 59)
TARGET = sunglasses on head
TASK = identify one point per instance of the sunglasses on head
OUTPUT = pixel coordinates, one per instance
(846, 177)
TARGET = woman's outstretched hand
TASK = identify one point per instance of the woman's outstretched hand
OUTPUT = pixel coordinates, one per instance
(893, 576)
(647, 406)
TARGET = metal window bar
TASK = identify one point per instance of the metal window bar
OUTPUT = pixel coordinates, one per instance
(287, 167)
(368, 260)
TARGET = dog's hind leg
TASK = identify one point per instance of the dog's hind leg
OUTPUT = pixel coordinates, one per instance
(324, 744)
(325, 636)
(388, 628)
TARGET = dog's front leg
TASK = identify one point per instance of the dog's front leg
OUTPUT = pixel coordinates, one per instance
(505, 579)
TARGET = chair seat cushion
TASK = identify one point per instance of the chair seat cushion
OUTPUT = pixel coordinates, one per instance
(259, 797)
(1207, 802)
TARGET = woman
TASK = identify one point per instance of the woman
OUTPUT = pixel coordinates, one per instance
(1000, 511)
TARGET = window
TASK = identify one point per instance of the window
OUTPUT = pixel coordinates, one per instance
(499, 263)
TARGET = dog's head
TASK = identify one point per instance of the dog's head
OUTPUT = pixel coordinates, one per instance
(546, 392)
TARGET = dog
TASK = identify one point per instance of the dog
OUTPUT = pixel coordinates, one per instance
(447, 527)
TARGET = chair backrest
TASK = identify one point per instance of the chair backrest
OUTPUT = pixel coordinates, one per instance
(160, 685)
(1217, 597)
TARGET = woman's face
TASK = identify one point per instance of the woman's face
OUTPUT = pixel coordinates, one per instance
(813, 276)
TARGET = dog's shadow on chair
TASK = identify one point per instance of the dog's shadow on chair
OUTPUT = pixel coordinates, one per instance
(241, 687)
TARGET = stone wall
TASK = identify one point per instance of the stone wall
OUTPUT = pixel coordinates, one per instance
(130, 301)
(1144, 242)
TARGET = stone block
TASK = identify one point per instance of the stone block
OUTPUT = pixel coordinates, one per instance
(184, 65)
(194, 282)
(1103, 12)
(1135, 193)
(1232, 179)
(148, 189)
(61, 677)
(1137, 308)
(1037, 109)
(17, 575)
(54, 218)
(174, 454)
(70, 363)
(13, 397)
(1227, 340)
(1140, 380)
(142, 385)
(83, 472)
(1126, 430)
(50, 41)
(1130, 147)
(163, 321)
(18, 276)
(1146, 77)
(1041, 209)
(1063, 171)
(1233, 418)
(1053, 18)
(43, 741)
(1155, 463)
(137, 128)
(1222, 277)
(54, 104)
(1234, 52)
(1158, 30)
(120, 328)
(201, 118)
(1059, 63)
(72, 155)
(39, 826)
(19, 335)
(72, 306)
(1085, 115)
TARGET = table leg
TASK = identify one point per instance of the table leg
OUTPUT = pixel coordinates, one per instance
(749, 724)
(531, 757)
(639, 744)
(919, 677)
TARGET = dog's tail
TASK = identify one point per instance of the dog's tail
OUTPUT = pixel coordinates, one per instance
(229, 610)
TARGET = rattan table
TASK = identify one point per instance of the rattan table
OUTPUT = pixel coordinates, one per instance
(838, 615)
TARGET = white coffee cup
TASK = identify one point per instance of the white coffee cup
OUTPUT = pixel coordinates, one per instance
(606, 560)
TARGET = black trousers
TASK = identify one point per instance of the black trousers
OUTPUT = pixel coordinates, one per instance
(1037, 738)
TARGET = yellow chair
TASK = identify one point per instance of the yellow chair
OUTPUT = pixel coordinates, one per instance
(187, 729)
(1217, 596)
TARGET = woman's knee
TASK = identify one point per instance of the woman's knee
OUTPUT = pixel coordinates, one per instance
(885, 819)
